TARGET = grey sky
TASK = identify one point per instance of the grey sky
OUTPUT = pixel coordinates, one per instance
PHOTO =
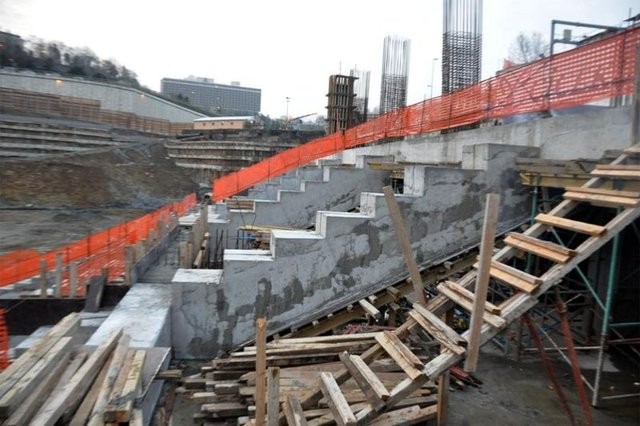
(287, 48)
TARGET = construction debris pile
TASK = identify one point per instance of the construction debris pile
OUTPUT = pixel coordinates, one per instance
(55, 380)
(227, 388)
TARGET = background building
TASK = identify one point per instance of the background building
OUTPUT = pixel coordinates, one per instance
(231, 99)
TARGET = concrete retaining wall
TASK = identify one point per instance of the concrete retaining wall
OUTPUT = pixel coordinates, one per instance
(568, 137)
(111, 97)
(307, 275)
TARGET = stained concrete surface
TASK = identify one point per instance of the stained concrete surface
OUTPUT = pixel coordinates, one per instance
(520, 394)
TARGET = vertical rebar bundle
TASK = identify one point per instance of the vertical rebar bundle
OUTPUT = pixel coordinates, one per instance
(395, 73)
(361, 90)
(340, 103)
(461, 44)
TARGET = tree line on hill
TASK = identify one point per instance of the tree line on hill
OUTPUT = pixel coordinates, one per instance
(44, 56)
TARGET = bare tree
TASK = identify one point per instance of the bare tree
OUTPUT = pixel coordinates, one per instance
(528, 47)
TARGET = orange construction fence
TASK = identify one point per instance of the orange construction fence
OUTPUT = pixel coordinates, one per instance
(597, 71)
(104, 249)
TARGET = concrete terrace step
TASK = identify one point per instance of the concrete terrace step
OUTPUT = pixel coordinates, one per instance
(308, 274)
(339, 190)
(7, 137)
(38, 128)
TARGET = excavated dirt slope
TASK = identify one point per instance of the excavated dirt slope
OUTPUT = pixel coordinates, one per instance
(50, 201)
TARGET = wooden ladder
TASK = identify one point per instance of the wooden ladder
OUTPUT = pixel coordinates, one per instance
(526, 290)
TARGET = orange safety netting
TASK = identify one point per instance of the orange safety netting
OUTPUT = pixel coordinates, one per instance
(104, 249)
(597, 71)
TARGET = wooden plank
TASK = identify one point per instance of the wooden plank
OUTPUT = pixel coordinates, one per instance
(369, 308)
(512, 280)
(131, 388)
(445, 331)
(456, 288)
(442, 408)
(617, 171)
(71, 369)
(603, 191)
(314, 348)
(570, 225)
(12, 399)
(438, 334)
(273, 393)
(106, 386)
(602, 200)
(95, 288)
(531, 279)
(482, 279)
(467, 304)
(261, 370)
(81, 416)
(293, 412)
(405, 244)
(406, 416)
(339, 406)
(634, 149)
(540, 248)
(28, 407)
(341, 338)
(398, 356)
(370, 384)
(65, 327)
(76, 388)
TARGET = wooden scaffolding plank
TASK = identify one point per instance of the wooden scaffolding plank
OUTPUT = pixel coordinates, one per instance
(29, 406)
(11, 400)
(406, 416)
(441, 331)
(369, 308)
(131, 388)
(540, 248)
(463, 292)
(603, 191)
(75, 389)
(10, 376)
(371, 386)
(602, 200)
(515, 277)
(570, 225)
(400, 354)
(467, 304)
(339, 406)
(113, 370)
(617, 171)
(293, 412)
(633, 149)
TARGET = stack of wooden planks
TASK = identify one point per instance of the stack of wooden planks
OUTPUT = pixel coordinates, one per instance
(57, 380)
(226, 388)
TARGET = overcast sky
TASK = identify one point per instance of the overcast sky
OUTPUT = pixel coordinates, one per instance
(287, 48)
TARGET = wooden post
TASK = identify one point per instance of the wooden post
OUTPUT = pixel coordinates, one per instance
(129, 261)
(58, 275)
(635, 109)
(482, 280)
(73, 279)
(261, 367)
(43, 278)
(405, 244)
(273, 393)
(443, 385)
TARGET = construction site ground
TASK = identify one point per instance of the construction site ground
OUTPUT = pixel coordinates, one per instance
(49, 201)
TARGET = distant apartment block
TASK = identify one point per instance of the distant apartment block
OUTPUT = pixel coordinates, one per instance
(231, 99)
